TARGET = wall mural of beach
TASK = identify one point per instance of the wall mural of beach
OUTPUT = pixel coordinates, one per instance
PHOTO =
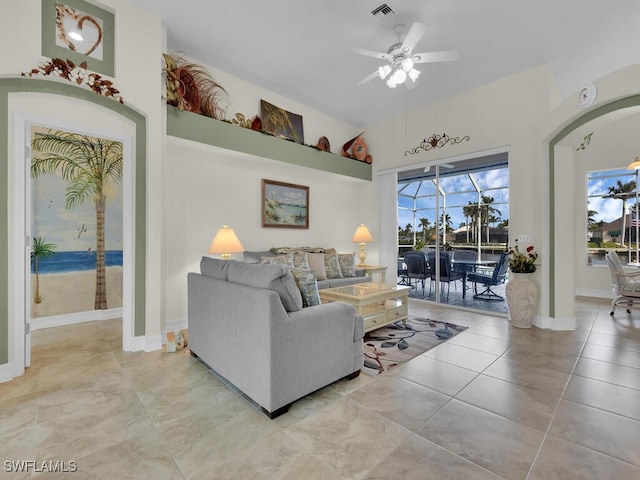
(76, 222)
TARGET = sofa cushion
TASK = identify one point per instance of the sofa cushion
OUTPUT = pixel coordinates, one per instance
(347, 264)
(308, 286)
(255, 257)
(274, 277)
(316, 263)
(332, 265)
(214, 268)
(281, 250)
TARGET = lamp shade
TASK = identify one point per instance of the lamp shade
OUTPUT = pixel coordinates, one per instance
(362, 235)
(226, 242)
(635, 165)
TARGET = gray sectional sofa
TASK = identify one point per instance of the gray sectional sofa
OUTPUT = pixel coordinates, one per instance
(246, 322)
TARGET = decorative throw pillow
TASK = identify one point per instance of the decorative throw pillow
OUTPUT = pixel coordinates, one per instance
(332, 265)
(301, 260)
(281, 259)
(306, 281)
(316, 263)
(347, 264)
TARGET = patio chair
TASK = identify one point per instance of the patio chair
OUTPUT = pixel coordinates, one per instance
(403, 278)
(626, 286)
(417, 268)
(496, 277)
(447, 274)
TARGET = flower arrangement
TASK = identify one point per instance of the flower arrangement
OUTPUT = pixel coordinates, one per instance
(523, 262)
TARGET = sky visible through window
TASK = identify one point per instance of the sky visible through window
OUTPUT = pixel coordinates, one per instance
(598, 184)
(459, 191)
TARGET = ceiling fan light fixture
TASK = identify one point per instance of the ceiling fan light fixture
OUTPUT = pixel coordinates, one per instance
(414, 74)
(384, 71)
(407, 65)
(399, 76)
(391, 83)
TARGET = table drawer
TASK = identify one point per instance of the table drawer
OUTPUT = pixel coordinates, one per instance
(375, 321)
(397, 313)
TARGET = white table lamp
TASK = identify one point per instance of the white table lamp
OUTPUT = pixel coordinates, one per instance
(225, 243)
(362, 236)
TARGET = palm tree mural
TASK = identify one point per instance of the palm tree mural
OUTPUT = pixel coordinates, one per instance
(89, 165)
(40, 249)
(622, 191)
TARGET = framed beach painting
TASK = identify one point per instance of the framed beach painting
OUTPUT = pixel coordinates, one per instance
(79, 31)
(284, 205)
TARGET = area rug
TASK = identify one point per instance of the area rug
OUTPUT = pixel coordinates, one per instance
(390, 346)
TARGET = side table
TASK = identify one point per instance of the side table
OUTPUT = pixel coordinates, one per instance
(371, 269)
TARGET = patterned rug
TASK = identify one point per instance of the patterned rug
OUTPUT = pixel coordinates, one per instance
(390, 346)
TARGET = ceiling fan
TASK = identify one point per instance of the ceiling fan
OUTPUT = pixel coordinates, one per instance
(401, 59)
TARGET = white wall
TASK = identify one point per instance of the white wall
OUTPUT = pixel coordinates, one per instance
(507, 113)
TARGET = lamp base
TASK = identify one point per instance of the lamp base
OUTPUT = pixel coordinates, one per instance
(362, 255)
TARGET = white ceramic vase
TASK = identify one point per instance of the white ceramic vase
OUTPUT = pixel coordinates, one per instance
(522, 298)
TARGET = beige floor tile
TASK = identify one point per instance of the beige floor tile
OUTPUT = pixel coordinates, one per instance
(562, 460)
(598, 430)
(529, 406)
(495, 346)
(520, 373)
(609, 372)
(614, 341)
(502, 331)
(605, 396)
(440, 376)
(627, 358)
(402, 401)
(459, 356)
(417, 459)
(500, 445)
(347, 437)
(546, 356)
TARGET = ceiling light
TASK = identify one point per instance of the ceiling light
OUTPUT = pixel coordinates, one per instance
(414, 74)
(391, 83)
(384, 71)
(407, 64)
(399, 76)
(76, 36)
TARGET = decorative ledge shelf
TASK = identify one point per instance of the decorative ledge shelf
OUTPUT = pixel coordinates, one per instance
(202, 129)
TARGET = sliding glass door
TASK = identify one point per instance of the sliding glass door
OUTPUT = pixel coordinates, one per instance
(457, 214)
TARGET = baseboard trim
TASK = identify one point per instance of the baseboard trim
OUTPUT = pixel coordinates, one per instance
(147, 344)
(583, 292)
(7, 372)
(174, 327)
(73, 318)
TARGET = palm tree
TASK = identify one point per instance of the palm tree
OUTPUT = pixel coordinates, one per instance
(89, 165)
(622, 191)
(486, 212)
(39, 250)
(425, 224)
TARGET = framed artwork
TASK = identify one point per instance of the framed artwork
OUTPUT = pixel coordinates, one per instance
(280, 123)
(79, 31)
(284, 205)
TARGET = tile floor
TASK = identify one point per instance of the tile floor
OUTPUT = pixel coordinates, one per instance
(493, 402)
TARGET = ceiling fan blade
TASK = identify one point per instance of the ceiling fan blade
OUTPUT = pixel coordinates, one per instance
(428, 57)
(414, 35)
(371, 53)
(368, 78)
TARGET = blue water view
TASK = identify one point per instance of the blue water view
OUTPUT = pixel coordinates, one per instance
(63, 262)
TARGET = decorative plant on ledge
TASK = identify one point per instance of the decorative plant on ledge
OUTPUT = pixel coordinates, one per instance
(77, 74)
(191, 87)
(523, 262)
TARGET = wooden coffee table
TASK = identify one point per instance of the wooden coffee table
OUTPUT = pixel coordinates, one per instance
(379, 303)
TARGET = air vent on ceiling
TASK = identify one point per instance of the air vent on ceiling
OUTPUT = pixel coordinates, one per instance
(383, 12)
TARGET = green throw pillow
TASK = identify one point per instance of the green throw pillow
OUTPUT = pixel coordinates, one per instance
(306, 281)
